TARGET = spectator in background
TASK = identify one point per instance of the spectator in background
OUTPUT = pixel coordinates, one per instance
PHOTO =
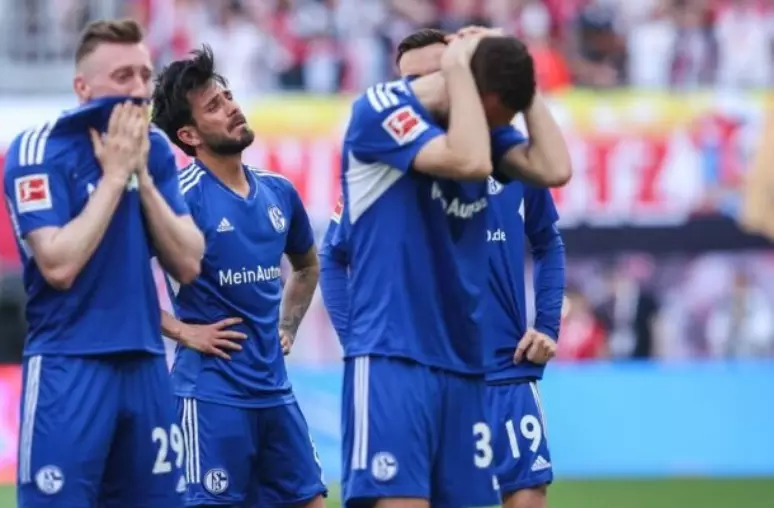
(363, 42)
(694, 54)
(655, 33)
(741, 325)
(630, 313)
(234, 33)
(531, 21)
(581, 335)
(598, 50)
(461, 13)
(743, 31)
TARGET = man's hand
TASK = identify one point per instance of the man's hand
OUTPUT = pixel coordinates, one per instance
(117, 151)
(459, 51)
(287, 338)
(144, 142)
(537, 347)
(214, 339)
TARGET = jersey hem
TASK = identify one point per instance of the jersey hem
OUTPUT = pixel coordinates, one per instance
(286, 400)
(426, 363)
(506, 377)
(107, 352)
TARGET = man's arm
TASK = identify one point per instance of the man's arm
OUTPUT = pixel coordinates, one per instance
(464, 153)
(386, 127)
(545, 159)
(334, 280)
(178, 242)
(539, 343)
(39, 200)
(62, 252)
(548, 278)
(299, 290)
(215, 339)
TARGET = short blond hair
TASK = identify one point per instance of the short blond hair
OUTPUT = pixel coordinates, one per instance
(115, 31)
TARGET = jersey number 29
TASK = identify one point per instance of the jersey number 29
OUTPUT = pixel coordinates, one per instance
(166, 441)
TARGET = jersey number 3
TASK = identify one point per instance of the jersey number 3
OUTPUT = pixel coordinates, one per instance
(167, 440)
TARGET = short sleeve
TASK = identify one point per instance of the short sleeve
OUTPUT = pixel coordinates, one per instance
(539, 209)
(388, 126)
(36, 185)
(163, 167)
(300, 235)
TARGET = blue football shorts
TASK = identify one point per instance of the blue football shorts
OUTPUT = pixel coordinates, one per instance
(251, 457)
(413, 431)
(521, 456)
(99, 431)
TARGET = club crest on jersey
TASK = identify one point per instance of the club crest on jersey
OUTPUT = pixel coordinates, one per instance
(277, 219)
(33, 193)
(495, 187)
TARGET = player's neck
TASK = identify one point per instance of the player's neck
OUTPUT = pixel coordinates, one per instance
(228, 169)
(430, 91)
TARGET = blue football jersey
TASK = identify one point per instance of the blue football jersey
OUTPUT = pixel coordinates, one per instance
(417, 262)
(240, 277)
(516, 210)
(112, 306)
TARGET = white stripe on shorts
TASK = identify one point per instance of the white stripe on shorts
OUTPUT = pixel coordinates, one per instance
(360, 444)
(31, 391)
(190, 426)
(536, 395)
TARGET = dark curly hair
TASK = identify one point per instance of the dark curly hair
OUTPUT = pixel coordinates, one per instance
(504, 66)
(171, 108)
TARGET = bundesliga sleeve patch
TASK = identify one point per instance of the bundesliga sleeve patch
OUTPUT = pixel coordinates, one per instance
(338, 210)
(404, 125)
(33, 193)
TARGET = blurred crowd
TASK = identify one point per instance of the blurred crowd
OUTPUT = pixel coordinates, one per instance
(714, 306)
(329, 45)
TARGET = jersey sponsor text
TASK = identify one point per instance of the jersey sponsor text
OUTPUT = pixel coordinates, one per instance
(456, 207)
(247, 276)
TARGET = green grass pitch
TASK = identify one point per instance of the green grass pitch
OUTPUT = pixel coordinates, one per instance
(661, 493)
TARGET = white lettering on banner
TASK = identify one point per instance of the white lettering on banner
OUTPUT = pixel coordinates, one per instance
(455, 207)
(246, 276)
(629, 180)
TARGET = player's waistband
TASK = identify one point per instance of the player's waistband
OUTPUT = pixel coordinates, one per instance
(86, 353)
(512, 381)
(472, 373)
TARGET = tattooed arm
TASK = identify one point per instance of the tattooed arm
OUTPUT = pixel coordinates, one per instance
(299, 290)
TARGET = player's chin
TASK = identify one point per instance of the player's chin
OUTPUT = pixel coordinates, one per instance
(245, 135)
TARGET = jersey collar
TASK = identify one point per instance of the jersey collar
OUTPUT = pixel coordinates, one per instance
(251, 180)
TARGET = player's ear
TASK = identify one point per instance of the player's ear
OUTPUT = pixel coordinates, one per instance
(81, 88)
(189, 136)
